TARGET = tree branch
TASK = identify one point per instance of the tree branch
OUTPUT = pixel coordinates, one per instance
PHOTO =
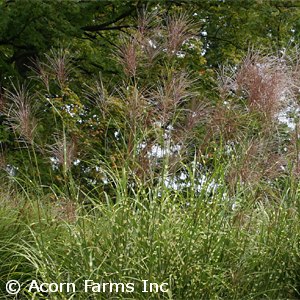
(106, 25)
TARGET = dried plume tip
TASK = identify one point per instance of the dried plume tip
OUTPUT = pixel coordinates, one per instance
(63, 151)
(179, 29)
(128, 57)
(171, 93)
(20, 111)
(59, 63)
(265, 81)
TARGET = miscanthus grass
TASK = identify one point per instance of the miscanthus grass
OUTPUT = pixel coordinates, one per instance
(202, 198)
(205, 244)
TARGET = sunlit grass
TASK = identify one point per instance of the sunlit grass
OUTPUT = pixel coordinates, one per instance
(202, 245)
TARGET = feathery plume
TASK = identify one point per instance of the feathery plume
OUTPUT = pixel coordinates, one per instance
(20, 111)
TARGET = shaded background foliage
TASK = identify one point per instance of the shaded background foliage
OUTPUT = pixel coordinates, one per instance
(227, 28)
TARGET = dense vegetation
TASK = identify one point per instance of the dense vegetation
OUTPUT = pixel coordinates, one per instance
(150, 140)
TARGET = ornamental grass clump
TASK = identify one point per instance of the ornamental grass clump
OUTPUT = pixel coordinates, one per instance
(153, 180)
